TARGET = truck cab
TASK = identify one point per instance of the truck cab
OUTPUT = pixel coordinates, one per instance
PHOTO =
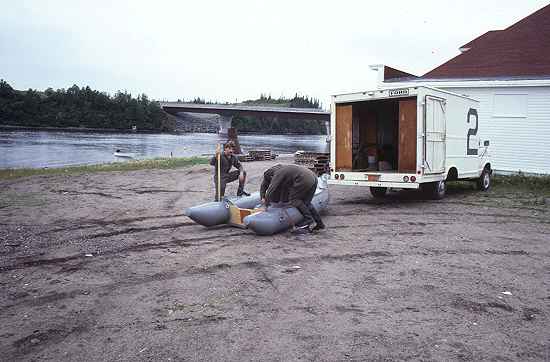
(407, 138)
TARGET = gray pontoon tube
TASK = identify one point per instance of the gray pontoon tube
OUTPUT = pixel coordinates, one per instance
(216, 213)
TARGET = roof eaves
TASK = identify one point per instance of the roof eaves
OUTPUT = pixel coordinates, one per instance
(471, 79)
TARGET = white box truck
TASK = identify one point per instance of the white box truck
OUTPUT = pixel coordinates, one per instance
(407, 138)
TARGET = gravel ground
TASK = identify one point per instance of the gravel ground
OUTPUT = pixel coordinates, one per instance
(104, 267)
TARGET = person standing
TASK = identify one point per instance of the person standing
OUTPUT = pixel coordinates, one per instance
(296, 184)
(227, 161)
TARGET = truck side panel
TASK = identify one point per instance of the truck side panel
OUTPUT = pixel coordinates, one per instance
(462, 140)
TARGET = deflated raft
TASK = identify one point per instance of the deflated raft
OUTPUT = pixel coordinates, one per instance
(217, 213)
(247, 212)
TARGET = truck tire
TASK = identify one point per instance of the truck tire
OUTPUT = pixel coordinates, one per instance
(436, 190)
(484, 181)
(378, 192)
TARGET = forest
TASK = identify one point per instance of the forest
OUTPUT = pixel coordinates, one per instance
(84, 107)
(281, 125)
(77, 107)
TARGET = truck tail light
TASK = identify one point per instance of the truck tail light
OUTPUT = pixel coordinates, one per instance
(336, 176)
(405, 178)
(413, 178)
(341, 176)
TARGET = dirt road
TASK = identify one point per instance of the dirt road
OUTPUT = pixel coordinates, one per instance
(105, 267)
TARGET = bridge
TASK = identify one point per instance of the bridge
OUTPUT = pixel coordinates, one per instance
(228, 111)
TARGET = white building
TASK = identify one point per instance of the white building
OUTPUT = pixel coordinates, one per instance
(508, 71)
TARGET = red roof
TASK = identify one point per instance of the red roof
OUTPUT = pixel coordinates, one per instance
(392, 73)
(487, 37)
(521, 50)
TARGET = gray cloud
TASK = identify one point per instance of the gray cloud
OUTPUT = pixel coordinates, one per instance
(234, 50)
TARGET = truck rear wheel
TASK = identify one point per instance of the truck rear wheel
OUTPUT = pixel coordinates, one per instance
(378, 192)
(436, 190)
(484, 181)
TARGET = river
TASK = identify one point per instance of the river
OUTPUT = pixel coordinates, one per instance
(36, 149)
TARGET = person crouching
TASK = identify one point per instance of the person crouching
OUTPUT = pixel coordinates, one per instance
(296, 184)
(227, 161)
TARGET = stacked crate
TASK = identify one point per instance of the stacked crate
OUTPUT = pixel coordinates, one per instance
(245, 158)
(257, 155)
(260, 155)
(318, 162)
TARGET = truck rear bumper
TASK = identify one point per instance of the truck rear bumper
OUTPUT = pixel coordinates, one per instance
(395, 185)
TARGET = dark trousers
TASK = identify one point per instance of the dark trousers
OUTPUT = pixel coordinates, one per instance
(225, 179)
(301, 198)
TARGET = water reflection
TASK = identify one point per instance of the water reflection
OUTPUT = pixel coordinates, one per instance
(56, 149)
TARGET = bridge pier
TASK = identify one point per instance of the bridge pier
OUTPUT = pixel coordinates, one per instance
(327, 126)
(225, 124)
(229, 132)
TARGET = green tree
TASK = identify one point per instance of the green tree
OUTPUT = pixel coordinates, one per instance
(80, 107)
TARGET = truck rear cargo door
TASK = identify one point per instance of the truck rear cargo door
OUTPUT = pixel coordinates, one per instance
(344, 127)
(434, 135)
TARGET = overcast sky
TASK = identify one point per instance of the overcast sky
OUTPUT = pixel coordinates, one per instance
(234, 50)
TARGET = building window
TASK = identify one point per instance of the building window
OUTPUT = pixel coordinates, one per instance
(510, 105)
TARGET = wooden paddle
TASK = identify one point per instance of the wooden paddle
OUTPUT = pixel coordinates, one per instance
(218, 155)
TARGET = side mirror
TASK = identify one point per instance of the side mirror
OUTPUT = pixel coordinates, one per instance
(486, 143)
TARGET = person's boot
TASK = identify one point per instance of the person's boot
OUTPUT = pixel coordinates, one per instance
(307, 217)
(301, 229)
(241, 191)
(319, 224)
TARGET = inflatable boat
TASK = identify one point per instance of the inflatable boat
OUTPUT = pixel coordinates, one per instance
(217, 213)
(247, 212)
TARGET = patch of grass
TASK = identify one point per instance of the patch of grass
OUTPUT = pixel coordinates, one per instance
(156, 163)
(517, 192)
(534, 184)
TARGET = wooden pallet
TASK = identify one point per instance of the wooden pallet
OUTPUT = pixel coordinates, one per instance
(318, 162)
(245, 158)
(258, 155)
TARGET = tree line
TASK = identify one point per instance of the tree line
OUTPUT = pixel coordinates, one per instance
(80, 108)
(280, 125)
(295, 102)
(84, 107)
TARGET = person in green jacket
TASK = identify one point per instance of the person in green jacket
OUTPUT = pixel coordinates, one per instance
(296, 185)
(227, 161)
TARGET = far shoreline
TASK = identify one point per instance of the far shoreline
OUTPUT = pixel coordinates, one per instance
(127, 131)
(78, 129)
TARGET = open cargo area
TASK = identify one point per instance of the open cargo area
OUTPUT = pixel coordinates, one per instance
(382, 135)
